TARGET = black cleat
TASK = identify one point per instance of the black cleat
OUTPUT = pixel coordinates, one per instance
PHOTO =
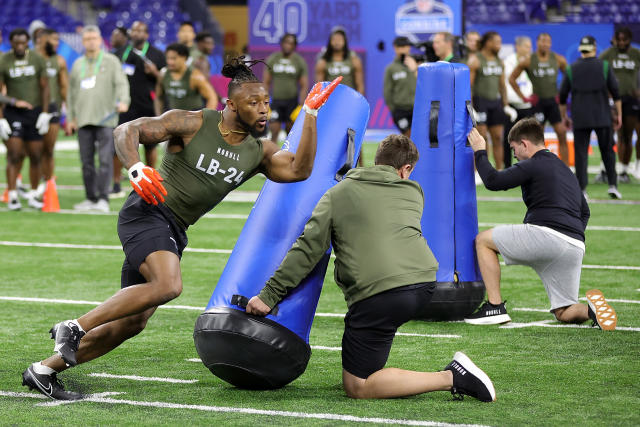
(489, 314)
(470, 380)
(49, 385)
(67, 336)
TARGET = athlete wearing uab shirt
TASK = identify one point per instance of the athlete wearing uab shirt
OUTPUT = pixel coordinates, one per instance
(23, 73)
(542, 68)
(287, 73)
(209, 153)
(624, 60)
(339, 60)
(184, 87)
(489, 92)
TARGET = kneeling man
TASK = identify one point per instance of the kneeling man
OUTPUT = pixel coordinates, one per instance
(386, 271)
(551, 240)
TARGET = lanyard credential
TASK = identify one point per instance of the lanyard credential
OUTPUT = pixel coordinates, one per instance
(97, 67)
(144, 50)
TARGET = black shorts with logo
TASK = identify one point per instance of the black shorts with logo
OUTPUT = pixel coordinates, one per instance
(23, 122)
(281, 109)
(402, 118)
(630, 106)
(489, 112)
(371, 324)
(547, 110)
(143, 229)
(55, 111)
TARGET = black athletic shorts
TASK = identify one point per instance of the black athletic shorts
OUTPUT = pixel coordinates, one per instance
(489, 112)
(144, 228)
(402, 119)
(53, 109)
(281, 109)
(630, 106)
(371, 324)
(23, 122)
(547, 110)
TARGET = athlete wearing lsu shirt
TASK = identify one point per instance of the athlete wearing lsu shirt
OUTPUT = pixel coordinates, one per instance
(624, 60)
(209, 153)
(542, 67)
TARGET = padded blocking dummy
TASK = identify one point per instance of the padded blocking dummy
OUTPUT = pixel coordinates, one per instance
(441, 123)
(269, 352)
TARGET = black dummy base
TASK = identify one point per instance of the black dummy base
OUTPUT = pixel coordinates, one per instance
(454, 300)
(247, 351)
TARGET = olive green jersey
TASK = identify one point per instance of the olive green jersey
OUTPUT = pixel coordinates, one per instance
(399, 86)
(625, 67)
(53, 73)
(286, 72)
(22, 76)
(544, 75)
(342, 68)
(179, 92)
(206, 170)
(487, 82)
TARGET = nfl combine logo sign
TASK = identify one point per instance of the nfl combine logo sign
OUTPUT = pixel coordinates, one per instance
(423, 17)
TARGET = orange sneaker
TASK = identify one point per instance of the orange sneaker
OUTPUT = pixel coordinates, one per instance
(600, 312)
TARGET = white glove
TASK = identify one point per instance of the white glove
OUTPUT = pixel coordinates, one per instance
(5, 129)
(511, 112)
(42, 124)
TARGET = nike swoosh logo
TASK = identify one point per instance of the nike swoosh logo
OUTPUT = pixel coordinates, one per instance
(45, 390)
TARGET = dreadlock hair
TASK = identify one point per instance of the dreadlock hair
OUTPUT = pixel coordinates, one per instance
(239, 71)
(486, 37)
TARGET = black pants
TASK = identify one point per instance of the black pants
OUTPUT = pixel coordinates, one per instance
(508, 124)
(581, 139)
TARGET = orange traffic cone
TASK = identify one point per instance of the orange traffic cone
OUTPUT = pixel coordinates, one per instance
(50, 202)
(5, 196)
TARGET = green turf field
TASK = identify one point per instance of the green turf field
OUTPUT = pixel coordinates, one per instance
(544, 374)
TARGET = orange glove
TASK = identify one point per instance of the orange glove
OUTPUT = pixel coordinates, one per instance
(147, 183)
(318, 96)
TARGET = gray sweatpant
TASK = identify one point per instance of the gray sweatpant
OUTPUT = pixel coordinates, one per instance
(90, 138)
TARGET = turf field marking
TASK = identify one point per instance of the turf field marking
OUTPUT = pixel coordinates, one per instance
(630, 301)
(68, 402)
(589, 227)
(139, 378)
(409, 334)
(537, 310)
(547, 324)
(251, 411)
(228, 251)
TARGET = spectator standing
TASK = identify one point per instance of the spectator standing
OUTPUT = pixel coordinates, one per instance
(286, 78)
(471, 43)
(625, 63)
(400, 85)
(443, 47)
(589, 80)
(204, 46)
(98, 91)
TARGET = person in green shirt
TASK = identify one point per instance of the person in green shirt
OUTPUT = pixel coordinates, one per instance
(399, 86)
(184, 87)
(209, 153)
(287, 76)
(205, 44)
(385, 269)
(625, 62)
(542, 67)
(23, 72)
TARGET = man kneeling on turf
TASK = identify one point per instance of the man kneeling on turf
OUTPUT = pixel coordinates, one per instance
(386, 271)
(551, 240)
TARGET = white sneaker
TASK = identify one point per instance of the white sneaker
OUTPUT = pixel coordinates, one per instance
(14, 203)
(32, 200)
(636, 172)
(614, 193)
(101, 206)
(86, 205)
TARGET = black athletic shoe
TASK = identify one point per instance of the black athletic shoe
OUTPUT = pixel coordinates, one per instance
(49, 385)
(469, 379)
(67, 336)
(489, 314)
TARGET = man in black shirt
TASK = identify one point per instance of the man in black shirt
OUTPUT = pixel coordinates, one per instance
(551, 240)
(590, 80)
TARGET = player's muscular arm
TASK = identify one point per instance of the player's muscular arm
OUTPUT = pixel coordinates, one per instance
(562, 63)
(473, 64)
(522, 65)
(150, 130)
(321, 70)
(284, 166)
(200, 83)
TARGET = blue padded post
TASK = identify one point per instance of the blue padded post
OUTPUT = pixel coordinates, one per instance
(441, 123)
(256, 352)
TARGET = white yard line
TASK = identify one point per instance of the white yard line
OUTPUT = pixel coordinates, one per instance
(96, 398)
(547, 324)
(139, 378)
(322, 347)
(537, 310)
(629, 301)
(408, 334)
(228, 251)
